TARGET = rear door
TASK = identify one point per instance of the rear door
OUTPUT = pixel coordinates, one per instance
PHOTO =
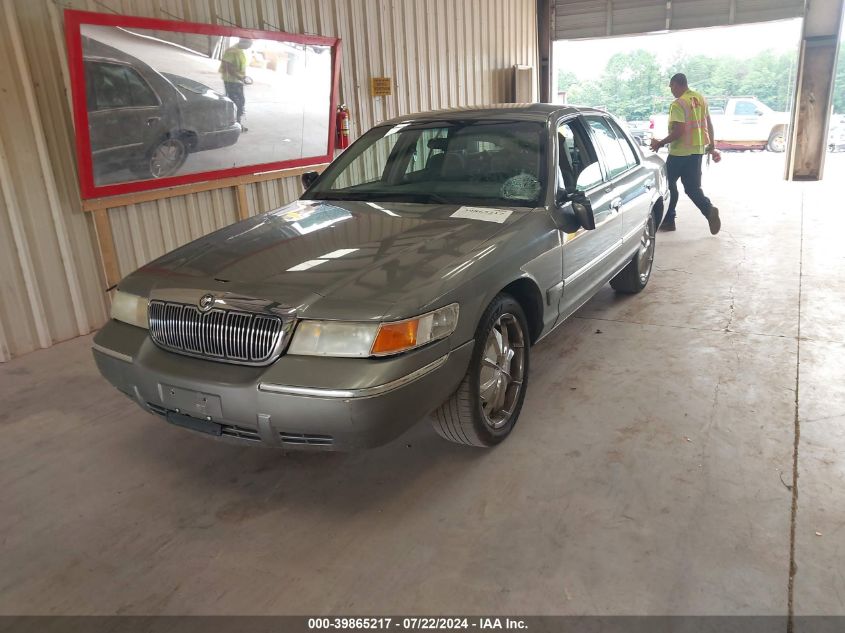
(587, 255)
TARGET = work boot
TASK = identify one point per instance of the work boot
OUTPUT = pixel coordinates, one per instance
(667, 225)
(713, 220)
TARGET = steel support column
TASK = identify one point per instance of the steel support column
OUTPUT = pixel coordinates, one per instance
(545, 19)
(814, 90)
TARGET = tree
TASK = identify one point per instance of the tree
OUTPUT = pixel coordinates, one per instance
(565, 80)
(633, 85)
(839, 82)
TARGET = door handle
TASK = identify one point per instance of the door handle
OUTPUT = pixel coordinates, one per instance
(152, 120)
(616, 204)
(649, 185)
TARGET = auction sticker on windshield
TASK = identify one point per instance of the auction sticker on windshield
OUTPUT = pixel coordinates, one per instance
(482, 213)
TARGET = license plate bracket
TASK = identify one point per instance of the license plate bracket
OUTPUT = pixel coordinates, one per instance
(194, 424)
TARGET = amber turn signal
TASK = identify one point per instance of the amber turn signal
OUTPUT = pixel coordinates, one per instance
(402, 336)
(396, 337)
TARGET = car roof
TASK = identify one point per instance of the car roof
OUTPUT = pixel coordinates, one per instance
(100, 58)
(508, 111)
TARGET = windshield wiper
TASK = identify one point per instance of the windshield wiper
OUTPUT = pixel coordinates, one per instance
(436, 197)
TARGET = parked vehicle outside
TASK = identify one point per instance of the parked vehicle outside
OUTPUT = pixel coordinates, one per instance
(740, 123)
(640, 131)
(148, 122)
(836, 135)
(412, 277)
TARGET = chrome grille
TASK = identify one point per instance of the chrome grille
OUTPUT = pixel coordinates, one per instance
(224, 335)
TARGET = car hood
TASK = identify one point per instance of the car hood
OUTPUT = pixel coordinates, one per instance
(334, 259)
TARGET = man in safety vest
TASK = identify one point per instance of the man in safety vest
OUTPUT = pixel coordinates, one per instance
(690, 137)
(233, 72)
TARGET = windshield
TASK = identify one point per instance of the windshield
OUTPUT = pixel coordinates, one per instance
(492, 163)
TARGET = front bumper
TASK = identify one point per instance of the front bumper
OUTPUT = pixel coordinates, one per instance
(297, 402)
(218, 138)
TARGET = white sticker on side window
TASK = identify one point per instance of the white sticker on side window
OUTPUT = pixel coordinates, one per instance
(483, 213)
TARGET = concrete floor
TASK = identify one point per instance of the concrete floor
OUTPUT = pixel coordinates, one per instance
(650, 472)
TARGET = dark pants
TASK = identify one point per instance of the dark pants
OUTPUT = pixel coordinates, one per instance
(235, 91)
(688, 169)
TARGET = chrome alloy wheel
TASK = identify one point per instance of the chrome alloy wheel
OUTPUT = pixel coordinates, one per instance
(645, 256)
(502, 371)
(167, 158)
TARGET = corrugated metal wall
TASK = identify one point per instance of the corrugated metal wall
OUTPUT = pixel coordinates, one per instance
(578, 19)
(440, 53)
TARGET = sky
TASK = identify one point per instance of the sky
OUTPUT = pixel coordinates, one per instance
(587, 58)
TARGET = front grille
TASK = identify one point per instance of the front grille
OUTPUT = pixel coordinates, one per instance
(223, 335)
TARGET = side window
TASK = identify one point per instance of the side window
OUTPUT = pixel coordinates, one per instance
(423, 152)
(578, 166)
(745, 108)
(624, 143)
(614, 157)
(117, 86)
(141, 93)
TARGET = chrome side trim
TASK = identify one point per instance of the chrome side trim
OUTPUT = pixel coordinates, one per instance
(634, 233)
(586, 267)
(110, 352)
(116, 147)
(350, 394)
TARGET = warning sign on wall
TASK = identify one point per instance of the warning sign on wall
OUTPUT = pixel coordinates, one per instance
(381, 87)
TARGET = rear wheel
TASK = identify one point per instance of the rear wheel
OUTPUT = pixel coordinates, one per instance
(486, 406)
(634, 277)
(163, 160)
(777, 141)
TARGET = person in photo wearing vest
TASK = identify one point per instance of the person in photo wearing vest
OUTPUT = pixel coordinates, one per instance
(233, 72)
(690, 137)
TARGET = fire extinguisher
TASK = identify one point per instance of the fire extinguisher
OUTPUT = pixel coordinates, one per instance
(342, 125)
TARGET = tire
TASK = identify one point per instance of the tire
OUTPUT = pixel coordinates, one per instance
(499, 368)
(634, 277)
(777, 141)
(163, 159)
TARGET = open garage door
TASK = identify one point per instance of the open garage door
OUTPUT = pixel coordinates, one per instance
(602, 18)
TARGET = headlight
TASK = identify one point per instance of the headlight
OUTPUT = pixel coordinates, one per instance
(130, 309)
(334, 338)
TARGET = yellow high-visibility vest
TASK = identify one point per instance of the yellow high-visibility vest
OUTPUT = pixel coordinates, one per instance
(690, 109)
(237, 59)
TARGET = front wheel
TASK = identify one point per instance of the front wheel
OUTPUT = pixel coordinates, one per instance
(634, 277)
(486, 406)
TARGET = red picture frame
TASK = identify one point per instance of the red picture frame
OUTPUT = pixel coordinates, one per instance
(74, 20)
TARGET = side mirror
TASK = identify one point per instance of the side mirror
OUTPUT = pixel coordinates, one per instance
(572, 211)
(758, 112)
(309, 178)
(583, 211)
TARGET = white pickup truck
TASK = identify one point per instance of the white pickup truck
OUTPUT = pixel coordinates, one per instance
(739, 123)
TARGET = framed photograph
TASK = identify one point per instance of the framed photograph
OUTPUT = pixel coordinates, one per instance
(158, 103)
